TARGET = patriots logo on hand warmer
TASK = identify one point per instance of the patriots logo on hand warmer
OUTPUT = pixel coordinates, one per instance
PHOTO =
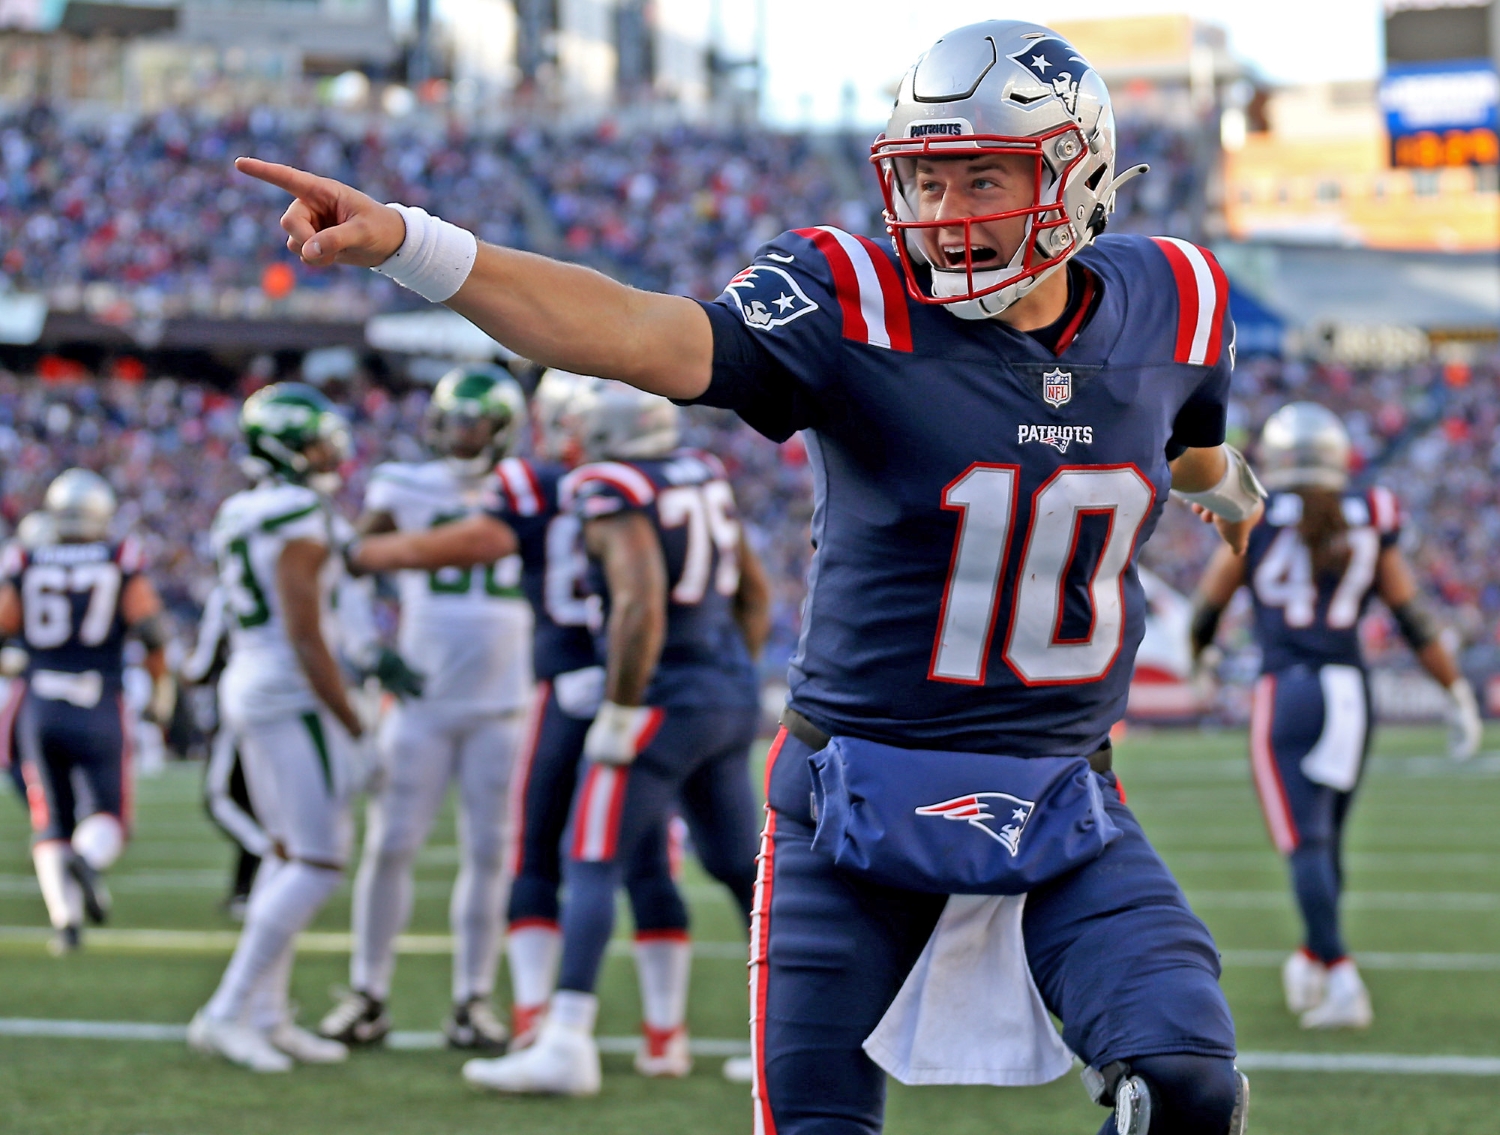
(974, 810)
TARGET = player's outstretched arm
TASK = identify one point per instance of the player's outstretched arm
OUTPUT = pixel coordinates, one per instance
(560, 315)
(465, 543)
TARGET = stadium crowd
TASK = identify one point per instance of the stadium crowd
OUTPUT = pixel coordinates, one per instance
(144, 217)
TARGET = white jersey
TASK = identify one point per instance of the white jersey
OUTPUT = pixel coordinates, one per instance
(467, 630)
(263, 680)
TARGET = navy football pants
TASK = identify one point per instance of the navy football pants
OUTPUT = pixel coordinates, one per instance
(544, 785)
(698, 759)
(1305, 819)
(1115, 951)
(75, 761)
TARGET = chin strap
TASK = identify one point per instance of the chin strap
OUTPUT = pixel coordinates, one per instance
(1101, 213)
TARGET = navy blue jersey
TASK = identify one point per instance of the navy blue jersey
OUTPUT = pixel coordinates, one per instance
(1303, 619)
(980, 499)
(70, 604)
(687, 497)
(554, 569)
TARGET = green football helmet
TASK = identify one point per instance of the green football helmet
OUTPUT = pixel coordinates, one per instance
(475, 396)
(282, 421)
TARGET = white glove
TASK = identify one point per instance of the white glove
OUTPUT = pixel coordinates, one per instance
(1464, 727)
(620, 732)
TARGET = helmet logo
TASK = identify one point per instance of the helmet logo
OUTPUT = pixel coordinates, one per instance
(1057, 387)
(1057, 65)
(942, 128)
(768, 297)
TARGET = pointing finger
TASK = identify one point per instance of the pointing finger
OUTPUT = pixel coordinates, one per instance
(298, 183)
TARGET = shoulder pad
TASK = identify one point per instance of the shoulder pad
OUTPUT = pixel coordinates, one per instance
(518, 489)
(605, 487)
(12, 559)
(1385, 510)
(1202, 293)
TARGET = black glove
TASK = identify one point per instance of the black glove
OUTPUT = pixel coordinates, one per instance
(393, 674)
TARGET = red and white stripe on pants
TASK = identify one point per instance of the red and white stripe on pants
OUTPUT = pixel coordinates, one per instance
(1268, 785)
(760, 952)
(596, 823)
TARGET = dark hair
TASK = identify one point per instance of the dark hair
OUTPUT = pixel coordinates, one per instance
(1322, 529)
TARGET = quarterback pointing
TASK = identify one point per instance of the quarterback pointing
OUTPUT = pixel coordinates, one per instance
(973, 608)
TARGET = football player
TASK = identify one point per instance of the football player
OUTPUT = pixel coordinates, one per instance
(687, 606)
(1314, 562)
(278, 546)
(523, 517)
(225, 794)
(467, 632)
(995, 407)
(71, 601)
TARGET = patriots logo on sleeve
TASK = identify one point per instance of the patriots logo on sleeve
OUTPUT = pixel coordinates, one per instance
(768, 297)
(974, 810)
(1057, 65)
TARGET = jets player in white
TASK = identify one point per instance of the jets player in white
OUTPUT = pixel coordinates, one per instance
(468, 632)
(278, 551)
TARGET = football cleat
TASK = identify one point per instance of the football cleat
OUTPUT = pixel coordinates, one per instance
(663, 1053)
(68, 940)
(237, 1044)
(1304, 979)
(306, 1047)
(525, 1024)
(96, 900)
(357, 1019)
(1346, 1005)
(473, 1024)
(739, 1069)
(562, 1062)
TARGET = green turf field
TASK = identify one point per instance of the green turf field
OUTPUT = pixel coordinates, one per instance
(1424, 911)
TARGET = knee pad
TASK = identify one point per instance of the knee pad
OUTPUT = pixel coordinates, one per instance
(1172, 1095)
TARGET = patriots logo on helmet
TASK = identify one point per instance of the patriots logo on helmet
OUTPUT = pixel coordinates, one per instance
(1057, 65)
(974, 810)
(768, 297)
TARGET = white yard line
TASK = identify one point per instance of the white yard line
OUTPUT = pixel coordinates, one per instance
(1367, 1062)
(313, 942)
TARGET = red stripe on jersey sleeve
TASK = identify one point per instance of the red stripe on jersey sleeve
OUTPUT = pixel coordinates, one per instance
(845, 282)
(1187, 298)
(1221, 304)
(897, 317)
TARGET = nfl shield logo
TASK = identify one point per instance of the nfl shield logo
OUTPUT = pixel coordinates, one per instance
(1057, 387)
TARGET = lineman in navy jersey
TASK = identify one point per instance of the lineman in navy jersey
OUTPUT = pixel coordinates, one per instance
(972, 594)
(686, 604)
(1313, 565)
(71, 603)
(523, 517)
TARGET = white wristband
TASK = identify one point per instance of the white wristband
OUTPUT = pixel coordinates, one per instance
(435, 258)
(620, 732)
(1237, 493)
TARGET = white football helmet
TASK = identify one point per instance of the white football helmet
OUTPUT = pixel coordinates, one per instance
(554, 436)
(1304, 444)
(1002, 86)
(616, 422)
(81, 504)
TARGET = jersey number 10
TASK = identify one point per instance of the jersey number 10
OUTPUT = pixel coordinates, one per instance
(1035, 649)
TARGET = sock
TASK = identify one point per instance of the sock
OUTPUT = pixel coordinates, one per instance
(573, 1011)
(663, 963)
(61, 893)
(1315, 880)
(382, 906)
(268, 1005)
(474, 916)
(99, 839)
(533, 948)
(588, 921)
(277, 913)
